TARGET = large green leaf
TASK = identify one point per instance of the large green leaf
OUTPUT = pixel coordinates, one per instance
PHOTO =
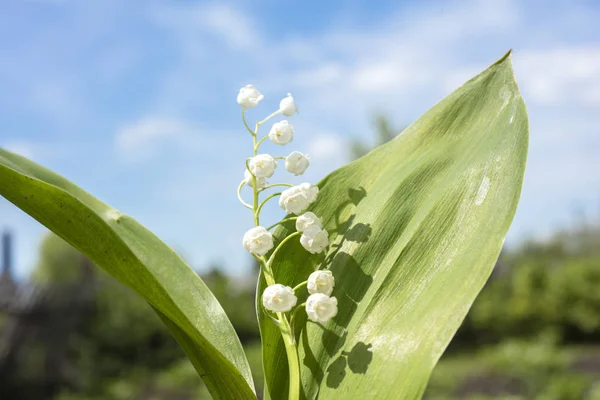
(416, 227)
(141, 261)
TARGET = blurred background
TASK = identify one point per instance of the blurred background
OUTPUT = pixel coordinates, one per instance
(135, 102)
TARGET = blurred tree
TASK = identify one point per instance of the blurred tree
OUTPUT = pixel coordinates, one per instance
(58, 262)
(384, 132)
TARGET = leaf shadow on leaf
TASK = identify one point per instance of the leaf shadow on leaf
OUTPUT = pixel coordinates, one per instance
(357, 360)
(349, 293)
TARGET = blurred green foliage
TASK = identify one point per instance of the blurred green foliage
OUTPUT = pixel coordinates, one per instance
(121, 350)
(534, 331)
(542, 287)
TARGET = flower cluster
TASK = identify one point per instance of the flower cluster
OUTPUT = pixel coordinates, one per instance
(295, 200)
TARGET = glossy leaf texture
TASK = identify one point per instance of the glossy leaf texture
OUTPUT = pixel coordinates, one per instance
(416, 227)
(137, 258)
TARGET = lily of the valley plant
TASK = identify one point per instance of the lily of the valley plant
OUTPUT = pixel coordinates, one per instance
(280, 301)
(364, 282)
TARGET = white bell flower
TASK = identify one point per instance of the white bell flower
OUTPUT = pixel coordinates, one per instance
(310, 191)
(293, 200)
(281, 133)
(308, 220)
(296, 163)
(249, 96)
(258, 241)
(287, 106)
(321, 282)
(314, 240)
(297, 198)
(279, 298)
(262, 166)
(260, 182)
(321, 308)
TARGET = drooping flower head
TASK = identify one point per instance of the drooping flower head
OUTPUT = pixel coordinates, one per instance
(258, 241)
(262, 166)
(314, 240)
(308, 220)
(287, 106)
(320, 307)
(279, 298)
(321, 282)
(297, 198)
(281, 133)
(296, 163)
(249, 96)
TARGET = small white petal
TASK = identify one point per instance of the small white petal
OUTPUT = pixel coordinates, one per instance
(262, 166)
(287, 106)
(258, 241)
(321, 282)
(320, 307)
(281, 133)
(279, 298)
(296, 199)
(314, 240)
(249, 96)
(310, 191)
(296, 163)
(308, 220)
(260, 182)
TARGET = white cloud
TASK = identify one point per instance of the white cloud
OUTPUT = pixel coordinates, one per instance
(327, 147)
(140, 140)
(220, 20)
(23, 148)
(563, 75)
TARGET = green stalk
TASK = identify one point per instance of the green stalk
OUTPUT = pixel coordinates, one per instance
(284, 325)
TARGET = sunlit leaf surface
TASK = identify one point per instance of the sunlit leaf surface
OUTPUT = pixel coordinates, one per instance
(141, 261)
(416, 225)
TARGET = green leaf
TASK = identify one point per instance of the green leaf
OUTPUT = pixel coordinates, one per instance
(141, 261)
(416, 227)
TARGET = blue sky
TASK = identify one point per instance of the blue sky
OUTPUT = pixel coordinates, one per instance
(135, 101)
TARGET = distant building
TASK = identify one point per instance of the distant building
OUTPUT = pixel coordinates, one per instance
(8, 287)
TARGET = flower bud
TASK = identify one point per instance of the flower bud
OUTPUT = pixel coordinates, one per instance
(320, 307)
(296, 163)
(258, 241)
(287, 106)
(314, 240)
(279, 298)
(281, 133)
(308, 220)
(260, 182)
(249, 96)
(321, 282)
(262, 166)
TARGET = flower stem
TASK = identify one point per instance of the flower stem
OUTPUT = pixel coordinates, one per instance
(269, 117)
(239, 193)
(298, 286)
(275, 185)
(293, 361)
(265, 200)
(245, 123)
(257, 145)
(279, 246)
(283, 221)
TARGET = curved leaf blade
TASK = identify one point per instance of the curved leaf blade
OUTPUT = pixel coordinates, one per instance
(416, 228)
(138, 259)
